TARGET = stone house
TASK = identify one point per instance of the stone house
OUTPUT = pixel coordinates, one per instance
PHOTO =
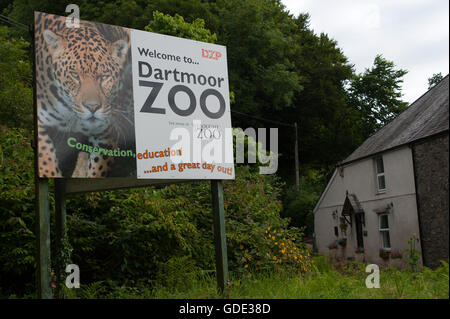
(391, 188)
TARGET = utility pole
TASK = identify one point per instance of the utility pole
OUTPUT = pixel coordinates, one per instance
(297, 176)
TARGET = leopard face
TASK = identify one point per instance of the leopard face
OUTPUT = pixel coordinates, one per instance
(85, 69)
(83, 89)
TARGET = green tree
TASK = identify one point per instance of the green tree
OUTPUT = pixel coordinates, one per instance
(260, 51)
(434, 79)
(4, 4)
(376, 94)
(16, 94)
(176, 26)
(299, 205)
(326, 123)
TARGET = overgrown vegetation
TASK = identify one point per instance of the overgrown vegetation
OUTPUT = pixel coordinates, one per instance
(16, 94)
(298, 205)
(327, 280)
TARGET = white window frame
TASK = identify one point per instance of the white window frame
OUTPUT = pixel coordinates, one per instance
(381, 230)
(380, 190)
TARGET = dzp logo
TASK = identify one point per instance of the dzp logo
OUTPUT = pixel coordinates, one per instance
(211, 54)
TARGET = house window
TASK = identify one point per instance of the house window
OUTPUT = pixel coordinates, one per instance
(381, 182)
(384, 231)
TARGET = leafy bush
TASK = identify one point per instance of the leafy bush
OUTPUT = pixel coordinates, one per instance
(132, 235)
(299, 205)
(17, 240)
(178, 273)
(413, 253)
(16, 93)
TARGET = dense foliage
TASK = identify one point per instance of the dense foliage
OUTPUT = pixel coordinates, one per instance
(299, 204)
(16, 94)
(17, 240)
(376, 93)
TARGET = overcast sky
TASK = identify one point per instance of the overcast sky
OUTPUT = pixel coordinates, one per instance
(412, 33)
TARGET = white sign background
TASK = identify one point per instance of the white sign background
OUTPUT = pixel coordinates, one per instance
(153, 130)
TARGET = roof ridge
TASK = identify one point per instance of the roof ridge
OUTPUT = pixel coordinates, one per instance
(418, 118)
(407, 108)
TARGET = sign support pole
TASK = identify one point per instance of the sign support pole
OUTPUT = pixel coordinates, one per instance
(220, 236)
(43, 276)
(43, 240)
(62, 256)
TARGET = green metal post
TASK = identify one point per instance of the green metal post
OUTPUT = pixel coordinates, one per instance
(43, 240)
(62, 254)
(220, 236)
(43, 276)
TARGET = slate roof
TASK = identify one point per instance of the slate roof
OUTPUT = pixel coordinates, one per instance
(427, 116)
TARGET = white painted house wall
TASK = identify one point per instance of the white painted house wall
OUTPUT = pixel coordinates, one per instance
(359, 178)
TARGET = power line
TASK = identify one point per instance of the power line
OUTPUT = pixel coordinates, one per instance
(296, 159)
(13, 22)
(263, 119)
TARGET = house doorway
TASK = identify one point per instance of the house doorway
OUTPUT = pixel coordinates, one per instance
(359, 230)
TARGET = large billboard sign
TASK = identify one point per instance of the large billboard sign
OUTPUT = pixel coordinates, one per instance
(119, 102)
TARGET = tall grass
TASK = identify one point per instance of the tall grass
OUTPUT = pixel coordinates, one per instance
(328, 280)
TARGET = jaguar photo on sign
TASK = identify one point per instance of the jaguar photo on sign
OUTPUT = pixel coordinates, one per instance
(119, 102)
